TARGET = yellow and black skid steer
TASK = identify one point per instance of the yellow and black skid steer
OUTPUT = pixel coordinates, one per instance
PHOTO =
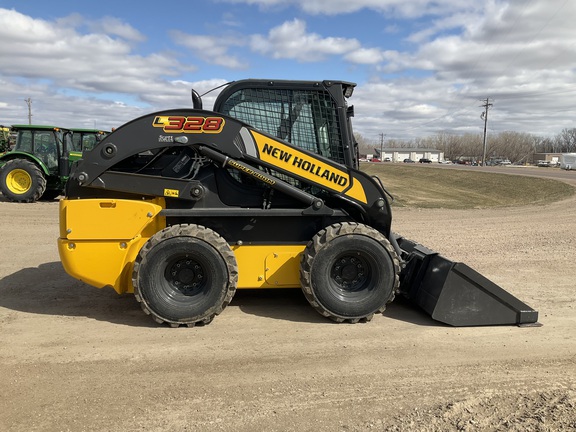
(182, 207)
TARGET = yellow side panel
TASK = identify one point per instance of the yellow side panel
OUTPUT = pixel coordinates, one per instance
(100, 239)
(275, 266)
(94, 219)
(101, 263)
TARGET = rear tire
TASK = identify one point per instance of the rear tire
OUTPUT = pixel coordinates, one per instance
(22, 181)
(185, 275)
(349, 272)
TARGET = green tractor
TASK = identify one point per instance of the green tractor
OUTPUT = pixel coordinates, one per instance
(37, 167)
(38, 164)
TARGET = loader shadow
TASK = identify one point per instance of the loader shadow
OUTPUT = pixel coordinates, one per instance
(281, 304)
(49, 290)
(402, 310)
(291, 305)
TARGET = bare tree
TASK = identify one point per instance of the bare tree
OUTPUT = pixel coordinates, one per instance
(518, 147)
(515, 146)
(566, 141)
(365, 146)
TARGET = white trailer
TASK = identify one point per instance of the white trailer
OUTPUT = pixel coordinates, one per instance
(568, 161)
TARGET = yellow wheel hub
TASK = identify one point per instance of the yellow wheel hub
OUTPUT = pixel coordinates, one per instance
(18, 181)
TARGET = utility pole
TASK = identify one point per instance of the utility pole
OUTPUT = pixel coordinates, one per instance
(382, 146)
(29, 103)
(484, 116)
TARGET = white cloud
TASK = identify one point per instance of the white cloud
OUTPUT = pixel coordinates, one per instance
(211, 49)
(397, 8)
(518, 53)
(366, 56)
(54, 106)
(291, 41)
(506, 40)
(93, 62)
(76, 77)
(115, 26)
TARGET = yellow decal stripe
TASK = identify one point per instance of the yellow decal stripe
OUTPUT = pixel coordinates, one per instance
(292, 160)
(357, 191)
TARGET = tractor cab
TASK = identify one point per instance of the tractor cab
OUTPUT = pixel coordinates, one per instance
(86, 139)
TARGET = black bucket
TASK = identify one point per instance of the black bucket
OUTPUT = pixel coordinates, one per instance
(453, 293)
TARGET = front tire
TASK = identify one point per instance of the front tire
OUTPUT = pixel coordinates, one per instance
(185, 275)
(22, 181)
(349, 272)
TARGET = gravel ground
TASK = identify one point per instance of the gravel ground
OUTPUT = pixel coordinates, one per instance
(75, 358)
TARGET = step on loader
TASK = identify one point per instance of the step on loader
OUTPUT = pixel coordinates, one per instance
(182, 207)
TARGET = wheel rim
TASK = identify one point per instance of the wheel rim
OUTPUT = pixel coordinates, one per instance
(186, 275)
(350, 274)
(18, 181)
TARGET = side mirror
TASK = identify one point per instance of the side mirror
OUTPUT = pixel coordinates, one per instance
(196, 100)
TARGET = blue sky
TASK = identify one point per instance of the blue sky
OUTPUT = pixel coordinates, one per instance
(422, 66)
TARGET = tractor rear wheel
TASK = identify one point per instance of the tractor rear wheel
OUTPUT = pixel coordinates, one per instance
(185, 275)
(349, 272)
(22, 181)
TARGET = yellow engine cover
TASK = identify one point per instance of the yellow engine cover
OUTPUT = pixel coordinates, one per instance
(100, 239)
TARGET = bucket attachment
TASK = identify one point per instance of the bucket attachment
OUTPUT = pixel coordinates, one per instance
(455, 294)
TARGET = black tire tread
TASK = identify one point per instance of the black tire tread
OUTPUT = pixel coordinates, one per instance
(202, 233)
(325, 236)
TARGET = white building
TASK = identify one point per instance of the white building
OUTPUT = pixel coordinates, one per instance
(568, 161)
(415, 154)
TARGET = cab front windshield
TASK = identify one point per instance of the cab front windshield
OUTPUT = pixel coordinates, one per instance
(46, 145)
(85, 141)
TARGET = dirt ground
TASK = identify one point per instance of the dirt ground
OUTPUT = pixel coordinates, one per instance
(76, 358)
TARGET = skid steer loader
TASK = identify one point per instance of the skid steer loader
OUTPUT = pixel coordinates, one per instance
(182, 207)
